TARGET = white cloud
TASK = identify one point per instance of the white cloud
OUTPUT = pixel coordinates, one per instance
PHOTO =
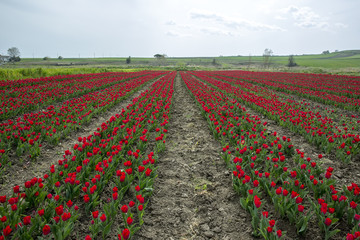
(278, 17)
(305, 17)
(233, 23)
(216, 31)
(171, 23)
(172, 33)
(341, 25)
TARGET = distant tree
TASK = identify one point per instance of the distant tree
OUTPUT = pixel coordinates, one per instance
(249, 62)
(214, 61)
(267, 57)
(46, 58)
(14, 54)
(326, 52)
(159, 56)
(60, 58)
(291, 61)
(128, 60)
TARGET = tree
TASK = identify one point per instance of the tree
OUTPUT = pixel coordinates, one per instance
(159, 56)
(326, 52)
(249, 62)
(46, 58)
(14, 54)
(291, 61)
(60, 58)
(128, 60)
(267, 57)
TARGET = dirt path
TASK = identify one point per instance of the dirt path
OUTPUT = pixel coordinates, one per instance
(193, 196)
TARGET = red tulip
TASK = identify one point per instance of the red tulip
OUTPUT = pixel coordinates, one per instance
(46, 230)
(328, 221)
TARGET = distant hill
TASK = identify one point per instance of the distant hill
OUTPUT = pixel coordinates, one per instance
(342, 54)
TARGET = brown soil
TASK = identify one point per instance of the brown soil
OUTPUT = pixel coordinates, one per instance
(325, 110)
(193, 196)
(344, 173)
(24, 168)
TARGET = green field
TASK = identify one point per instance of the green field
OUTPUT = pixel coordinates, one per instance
(342, 62)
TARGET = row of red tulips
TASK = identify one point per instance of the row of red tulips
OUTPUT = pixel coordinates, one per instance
(9, 84)
(318, 130)
(347, 124)
(314, 84)
(262, 163)
(228, 126)
(92, 179)
(17, 100)
(254, 86)
(27, 134)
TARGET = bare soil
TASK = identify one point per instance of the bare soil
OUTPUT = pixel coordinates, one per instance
(344, 174)
(193, 196)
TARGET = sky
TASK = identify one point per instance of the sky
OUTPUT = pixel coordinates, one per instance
(177, 28)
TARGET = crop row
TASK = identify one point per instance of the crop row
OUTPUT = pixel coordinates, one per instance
(17, 100)
(265, 166)
(343, 93)
(10, 84)
(91, 180)
(348, 123)
(333, 84)
(27, 134)
(318, 130)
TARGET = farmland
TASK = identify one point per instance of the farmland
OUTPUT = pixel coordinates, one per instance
(180, 154)
(342, 62)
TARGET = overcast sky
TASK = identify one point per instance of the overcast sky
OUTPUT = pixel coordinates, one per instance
(177, 27)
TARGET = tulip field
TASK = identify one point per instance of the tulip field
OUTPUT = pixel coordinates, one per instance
(290, 143)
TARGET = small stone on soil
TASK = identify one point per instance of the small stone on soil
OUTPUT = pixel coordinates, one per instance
(209, 234)
(205, 227)
(217, 230)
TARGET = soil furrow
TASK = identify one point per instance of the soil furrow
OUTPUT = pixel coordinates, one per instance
(193, 197)
(24, 168)
(345, 174)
